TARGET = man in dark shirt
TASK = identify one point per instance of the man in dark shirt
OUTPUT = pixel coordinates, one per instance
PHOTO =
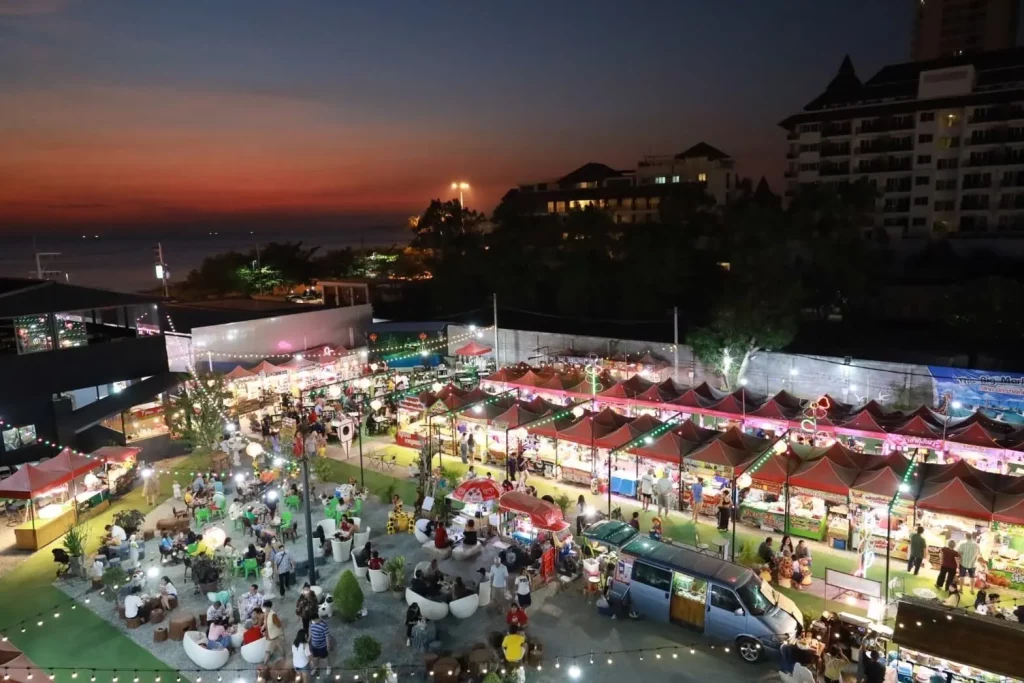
(421, 586)
(765, 552)
(947, 568)
(635, 521)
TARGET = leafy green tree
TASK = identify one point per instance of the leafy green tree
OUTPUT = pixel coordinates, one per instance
(217, 274)
(291, 259)
(348, 596)
(260, 280)
(197, 415)
(338, 263)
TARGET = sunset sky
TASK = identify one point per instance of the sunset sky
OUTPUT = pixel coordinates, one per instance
(137, 113)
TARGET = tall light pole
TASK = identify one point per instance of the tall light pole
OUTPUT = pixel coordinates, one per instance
(461, 186)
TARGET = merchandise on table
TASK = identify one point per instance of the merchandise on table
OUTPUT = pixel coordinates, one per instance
(808, 514)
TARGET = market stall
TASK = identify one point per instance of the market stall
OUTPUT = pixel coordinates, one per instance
(949, 510)
(625, 466)
(819, 497)
(980, 447)
(507, 433)
(474, 499)
(49, 511)
(871, 515)
(668, 452)
(762, 492)
(526, 519)
(1006, 557)
(120, 466)
(718, 463)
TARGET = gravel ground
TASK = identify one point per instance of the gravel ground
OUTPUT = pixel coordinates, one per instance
(564, 622)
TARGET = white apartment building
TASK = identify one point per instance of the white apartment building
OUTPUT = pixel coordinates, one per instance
(941, 141)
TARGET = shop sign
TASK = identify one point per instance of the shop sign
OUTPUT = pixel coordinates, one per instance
(836, 498)
(761, 518)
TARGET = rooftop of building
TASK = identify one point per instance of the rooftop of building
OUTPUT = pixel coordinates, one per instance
(995, 71)
(206, 312)
(23, 296)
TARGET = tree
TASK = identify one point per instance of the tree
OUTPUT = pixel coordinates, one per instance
(217, 274)
(443, 223)
(197, 416)
(337, 263)
(348, 596)
(751, 318)
(260, 280)
(290, 259)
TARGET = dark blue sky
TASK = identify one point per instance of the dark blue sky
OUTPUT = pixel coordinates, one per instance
(181, 111)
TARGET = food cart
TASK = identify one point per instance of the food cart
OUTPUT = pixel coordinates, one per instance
(526, 519)
(49, 510)
(120, 467)
(474, 499)
(955, 644)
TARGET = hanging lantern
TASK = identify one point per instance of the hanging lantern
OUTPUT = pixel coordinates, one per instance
(373, 336)
(423, 336)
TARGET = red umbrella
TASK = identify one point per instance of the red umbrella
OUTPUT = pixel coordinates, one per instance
(477, 491)
(472, 349)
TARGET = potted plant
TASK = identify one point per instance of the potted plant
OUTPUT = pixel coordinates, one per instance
(113, 579)
(206, 573)
(74, 545)
(348, 597)
(130, 520)
(365, 651)
(395, 569)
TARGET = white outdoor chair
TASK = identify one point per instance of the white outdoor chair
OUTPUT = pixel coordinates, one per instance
(421, 537)
(464, 608)
(207, 659)
(379, 581)
(360, 539)
(485, 593)
(360, 572)
(255, 651)
(434, 611)
(329, 526)
(340, 550)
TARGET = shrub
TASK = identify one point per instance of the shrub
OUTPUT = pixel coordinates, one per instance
(365, 651)
(130, 520)
(113, 579)
(205, 569)
(395, 569)
(348, 596)
(388, 492)
(563, 502)
(75, 539)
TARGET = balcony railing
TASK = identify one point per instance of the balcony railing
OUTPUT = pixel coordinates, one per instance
(793, 136)
(836, 131)
(885, 125)
(887, 165)
(991, 114)
(1003, 158)
(884, 145)
(976, 183)
(834, 169)
(834, 150)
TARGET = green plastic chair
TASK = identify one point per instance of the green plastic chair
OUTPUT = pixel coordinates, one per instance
(332, 507)
(192, 549)
(202, 515)
(217, 514)
(357, 507)
(251, 516)
(250, 564)
(239, 525)
(292, 502)
(286, 519)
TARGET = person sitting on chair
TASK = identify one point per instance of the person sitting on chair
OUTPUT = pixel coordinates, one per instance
(469, 538)
(441, 540)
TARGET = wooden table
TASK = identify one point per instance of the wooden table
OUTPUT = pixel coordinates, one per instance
(447, 670)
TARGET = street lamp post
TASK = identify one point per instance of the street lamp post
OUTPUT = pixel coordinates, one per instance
(460, 186)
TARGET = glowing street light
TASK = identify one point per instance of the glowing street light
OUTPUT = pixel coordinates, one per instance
(461, 186)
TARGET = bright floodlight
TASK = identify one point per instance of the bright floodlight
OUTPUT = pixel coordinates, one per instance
(272, 494)
(793, 372)
(152, 572)
(957, 405)
(472, 328)
(253, 449)
(478, 409)
(424, 353)
(147, 473)
(743, 381)
(574, 672)
(904, 487)
(278, 462)
(230, 426)
(239, 478)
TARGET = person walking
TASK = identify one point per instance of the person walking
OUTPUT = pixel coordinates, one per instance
(285, 567)
(464, 449)
(918, 547)
(697, 495)
(523, 589)
(306, 607)
(471, 447)
(969, 551)
(319, 643)
(662, 490)
(947, 568)
(724, 510)
(581, 514)
(301, 655)
(499, 583)
(273, 631)
(647, 489)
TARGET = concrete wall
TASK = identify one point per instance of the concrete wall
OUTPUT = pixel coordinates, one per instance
(286, 333)
(805, 376)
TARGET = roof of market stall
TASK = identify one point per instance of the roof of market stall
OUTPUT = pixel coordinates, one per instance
(542, 514)
(240, 373)
(955, 497)
(29, 481)
(825, 475)
(267, 368)
(778, 467)
(473, 348)
(74, 464)
(628, 432)
(514, 416)
(116, 453)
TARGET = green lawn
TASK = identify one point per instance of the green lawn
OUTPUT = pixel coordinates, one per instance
(77, 639)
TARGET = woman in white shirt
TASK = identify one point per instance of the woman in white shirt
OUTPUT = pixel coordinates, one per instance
(523, 589)
(167, 591)
(301, 654)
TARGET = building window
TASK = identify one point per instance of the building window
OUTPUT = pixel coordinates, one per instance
(947, 164)
(927, 116)
(703, 177)
(949, 184)
(551, 207)
(612, 203)
(19, 437)
(627, 203)
(951, 120)
(810, 128)
(809, 148)
(945, 205)
(803, 167)
(654, 202)
(920, 201)
(918, 221)
(660, 180)
(675, 179)
(949, 142)
(924, 137)
(924, 158)
(559, 207)
(921, 180)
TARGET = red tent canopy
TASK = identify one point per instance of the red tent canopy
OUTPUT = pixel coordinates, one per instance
(516, 415)
(989, 423)
(620, 390)
(847, 457)
(30, 481)
(449, 390)
(559, 381)
(690, 431)
(610, 418)
(473, 348)
(551, 428)
(479, 490)
(506, 375)
(823, 474)
(691, 398)
(895, 460)
(777, 467)
(638, 384)
(929, 416)
(115, 453)
(670, 387)
(773, 410)
(738, 439)
(916, 427)
(731, 405)
(884, 482)
(835, 409)
(1009, 508)
(530, 379)
(935, 473)
(954, 497)
(543, 515)
(585, 431)
(709, 392)
(539, 405)
(876, 409)
(727, 450)
(784, 398)
(267, 368)
(628, 432)
(975, 434)
(296, 363)
(864, 421)
(239, 373)
(69, 463)
(655, 394)
(669, 447)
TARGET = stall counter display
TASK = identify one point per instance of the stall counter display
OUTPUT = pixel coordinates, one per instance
(802, 522)
(52, 522)
(575, 471)
(1006, 556)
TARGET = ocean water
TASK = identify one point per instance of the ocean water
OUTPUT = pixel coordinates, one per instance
(126, 262)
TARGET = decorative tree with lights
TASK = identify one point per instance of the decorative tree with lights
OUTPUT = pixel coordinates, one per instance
(197, 417)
